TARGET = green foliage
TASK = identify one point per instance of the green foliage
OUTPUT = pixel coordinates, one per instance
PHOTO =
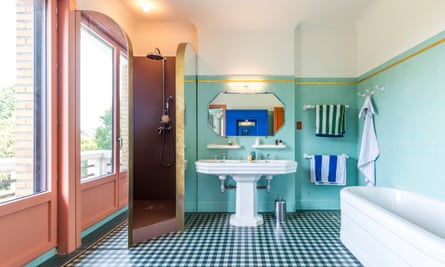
(5, 181)
(104, 132)
(87, 142)
(7, 122)
(102, 136)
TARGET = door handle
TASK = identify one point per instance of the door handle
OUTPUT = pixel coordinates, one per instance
(121, 141)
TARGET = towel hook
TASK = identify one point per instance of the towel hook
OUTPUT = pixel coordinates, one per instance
(369, 92)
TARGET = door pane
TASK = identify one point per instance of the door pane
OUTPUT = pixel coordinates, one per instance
(96, 105)
(123, 113)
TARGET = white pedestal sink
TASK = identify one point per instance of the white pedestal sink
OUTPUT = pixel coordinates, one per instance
(246, 174)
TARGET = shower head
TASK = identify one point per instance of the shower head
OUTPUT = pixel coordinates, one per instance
(156, 55)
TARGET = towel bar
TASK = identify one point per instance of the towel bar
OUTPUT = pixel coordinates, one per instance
(308, 156)
(306, 107)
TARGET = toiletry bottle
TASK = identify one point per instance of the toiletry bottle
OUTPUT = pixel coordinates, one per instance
(257, 141)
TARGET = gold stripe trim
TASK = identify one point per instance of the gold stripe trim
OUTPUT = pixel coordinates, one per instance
(325, 83)
(398, 62)
(403, 60)
(246, 81)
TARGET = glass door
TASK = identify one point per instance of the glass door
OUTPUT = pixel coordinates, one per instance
(103, 118)
(96, 106)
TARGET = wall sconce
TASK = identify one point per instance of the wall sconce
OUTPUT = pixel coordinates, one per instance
(146, 5)
(246, 87)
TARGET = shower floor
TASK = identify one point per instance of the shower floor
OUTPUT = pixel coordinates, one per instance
(152, 218)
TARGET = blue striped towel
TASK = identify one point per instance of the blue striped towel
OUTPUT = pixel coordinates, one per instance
(328, 169)
(330, 120)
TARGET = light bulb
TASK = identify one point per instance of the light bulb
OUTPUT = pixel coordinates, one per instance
(146, 5)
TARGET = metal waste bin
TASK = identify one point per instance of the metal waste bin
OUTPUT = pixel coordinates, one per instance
(280, 210)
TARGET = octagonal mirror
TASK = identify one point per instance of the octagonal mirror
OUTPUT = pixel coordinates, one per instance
(245, 114)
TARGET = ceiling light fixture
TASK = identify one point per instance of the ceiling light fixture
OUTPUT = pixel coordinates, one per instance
(146, 5)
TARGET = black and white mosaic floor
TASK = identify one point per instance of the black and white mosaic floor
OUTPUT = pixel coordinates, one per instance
(309, 238)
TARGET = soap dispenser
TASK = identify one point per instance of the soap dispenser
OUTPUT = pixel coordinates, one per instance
(252, 156)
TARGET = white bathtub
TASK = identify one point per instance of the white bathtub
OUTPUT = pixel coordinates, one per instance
(389, 227)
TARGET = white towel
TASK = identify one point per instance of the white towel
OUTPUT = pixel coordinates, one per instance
(369, 150)
(328, 169)
(330, 120)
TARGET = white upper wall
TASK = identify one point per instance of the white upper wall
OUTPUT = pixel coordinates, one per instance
(242, 52)
(384, 30)
(388, 28)
(325, 50)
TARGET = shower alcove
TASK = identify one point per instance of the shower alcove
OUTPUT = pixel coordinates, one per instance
(156, 189)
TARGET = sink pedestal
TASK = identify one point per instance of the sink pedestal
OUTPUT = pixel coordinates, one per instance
(246, 209)
(246, 174)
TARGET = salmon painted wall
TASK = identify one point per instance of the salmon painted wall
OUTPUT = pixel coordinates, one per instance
(144, 36)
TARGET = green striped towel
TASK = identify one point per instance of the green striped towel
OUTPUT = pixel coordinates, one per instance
(330, 120)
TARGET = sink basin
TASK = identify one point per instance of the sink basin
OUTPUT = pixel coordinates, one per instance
(246, 174)
(231, 167)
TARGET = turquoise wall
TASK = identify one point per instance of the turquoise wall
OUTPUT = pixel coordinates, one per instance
(190, 140)
(207, 196)
(411, 118)
(203, 191)
(409, 126)
(324, 91)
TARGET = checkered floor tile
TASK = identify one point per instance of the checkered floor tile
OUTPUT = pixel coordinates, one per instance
(305, 239)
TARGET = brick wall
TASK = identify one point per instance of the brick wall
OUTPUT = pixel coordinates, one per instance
(24, 97)
(124, 115)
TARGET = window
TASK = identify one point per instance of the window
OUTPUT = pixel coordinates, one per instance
(23, 99)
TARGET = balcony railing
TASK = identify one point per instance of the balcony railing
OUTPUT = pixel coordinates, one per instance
(94, 164)
(7, 178)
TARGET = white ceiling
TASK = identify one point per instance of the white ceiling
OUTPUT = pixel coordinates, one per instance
(249, 14)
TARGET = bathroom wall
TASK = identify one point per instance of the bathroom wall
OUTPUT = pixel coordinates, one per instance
(113, 8)
(401, 49)
(165, 36)
(255, 52)
(190, 140)
(321, 51)
(144, 36)
(410, 118)
(207, 190)
(324, 91)
(325, 50)
(323, 59)
(389, 28)
(325, 65)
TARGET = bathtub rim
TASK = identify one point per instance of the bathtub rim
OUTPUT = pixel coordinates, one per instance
(427, 242)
